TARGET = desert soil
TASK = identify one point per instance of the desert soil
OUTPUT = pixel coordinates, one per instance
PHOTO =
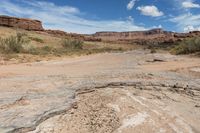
(126, 92)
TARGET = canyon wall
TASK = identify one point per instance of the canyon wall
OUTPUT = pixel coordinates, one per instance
(150, 37)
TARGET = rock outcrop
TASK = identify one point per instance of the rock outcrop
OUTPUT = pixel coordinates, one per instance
(22, 23)
(36, 25)
(155, 33)
(62, 34)
(59, 33)
(150, 37)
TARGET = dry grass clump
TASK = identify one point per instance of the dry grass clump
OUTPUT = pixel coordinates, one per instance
(72, 44)
(37, 39)
(14, 44)
(187, 46)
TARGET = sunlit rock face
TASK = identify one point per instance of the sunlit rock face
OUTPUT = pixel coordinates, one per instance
(22, 23)
(149, 37)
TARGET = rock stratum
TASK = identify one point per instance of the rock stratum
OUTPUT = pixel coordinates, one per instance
(22, 23)
(152, 37)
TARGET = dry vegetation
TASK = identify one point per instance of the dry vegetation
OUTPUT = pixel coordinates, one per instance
(187, 46)
(27, 46)
(19, 46)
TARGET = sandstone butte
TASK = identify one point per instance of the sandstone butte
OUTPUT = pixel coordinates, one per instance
(22, 23)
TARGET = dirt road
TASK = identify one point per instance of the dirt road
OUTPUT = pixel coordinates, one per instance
(113, 92)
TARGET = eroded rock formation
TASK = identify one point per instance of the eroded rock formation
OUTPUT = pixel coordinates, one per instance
(155, 33)
(150, 37)
(22, 23)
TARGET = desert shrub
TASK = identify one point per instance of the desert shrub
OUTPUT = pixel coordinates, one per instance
(40, 50)
(46, 50)
(187, 46)
(152, 50)
(29, 49)
(72, 44)
(13, 44)
(37, 39)
(120, 49)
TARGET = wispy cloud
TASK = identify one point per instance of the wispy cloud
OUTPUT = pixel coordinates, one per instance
(191, 28)
(150, 11)
(186, 22)
(130, 19)
(67, 18)
(131, 4)
(190, 4)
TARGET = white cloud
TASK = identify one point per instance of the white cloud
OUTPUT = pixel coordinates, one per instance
(160, 26)
(131, 4)
(155, 27)
(130, 19)
(191, 28)
(187, 21)
(188, 28)
(150, 11)
(190, 4)
(66, 18)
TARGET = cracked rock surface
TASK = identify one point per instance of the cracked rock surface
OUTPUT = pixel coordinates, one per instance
(111, 92)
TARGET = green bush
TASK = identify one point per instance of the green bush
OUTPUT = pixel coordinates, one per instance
(72, 44)
(13, 44)
(37, 39)
(40, 50)
(187, 46)
(46, 50)
(152, 50)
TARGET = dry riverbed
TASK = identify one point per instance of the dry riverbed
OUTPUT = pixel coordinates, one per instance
(113, 92)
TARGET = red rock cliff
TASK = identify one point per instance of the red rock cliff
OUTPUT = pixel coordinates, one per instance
(151, 34)
(145, 37)
(21, 23)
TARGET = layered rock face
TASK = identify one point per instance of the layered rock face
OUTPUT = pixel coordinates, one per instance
(155, 33)
(26, 24)
(150, 37)
(60, 33)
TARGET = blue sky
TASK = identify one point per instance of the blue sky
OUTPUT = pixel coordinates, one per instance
(90, 16)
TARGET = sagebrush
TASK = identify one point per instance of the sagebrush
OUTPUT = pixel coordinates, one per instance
(187, 46)
(72, 44)
(13, 44)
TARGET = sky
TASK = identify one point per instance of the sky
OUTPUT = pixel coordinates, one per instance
(90, 16)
